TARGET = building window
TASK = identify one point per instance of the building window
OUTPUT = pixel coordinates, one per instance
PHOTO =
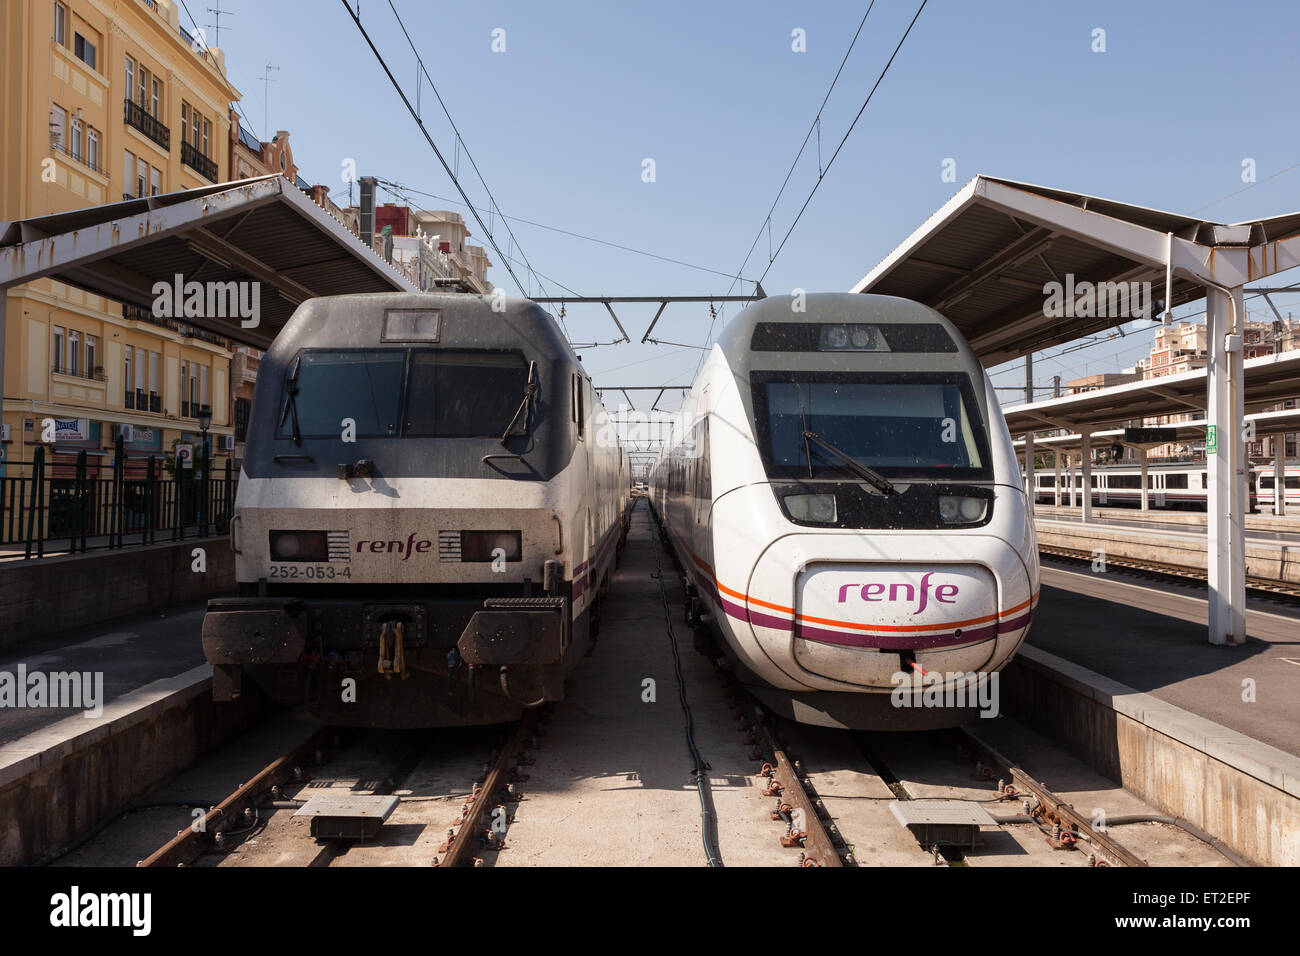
(128, 172)
(155, 181)
(185, 119)
(58, 349)
(74, 352)
(58, 124)
(75, 146)
(153, 372)
(127, 386)
(60, 24)
(130, 75)
(141, 176)
(92, 148)
(207, 130)
(196, 120)
(90, 356)
(84, 50)
(154, 99)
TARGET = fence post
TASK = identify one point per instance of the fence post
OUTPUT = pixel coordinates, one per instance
(35, 532)
(178, 528)
(205, 487)
(149, 497)
(119, 498)
(79, 501)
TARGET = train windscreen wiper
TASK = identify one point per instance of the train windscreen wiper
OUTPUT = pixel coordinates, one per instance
(291, 404)
(525, 407)
(870, 475)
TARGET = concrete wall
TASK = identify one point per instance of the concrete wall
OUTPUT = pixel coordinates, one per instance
(41, 598)
(1241, 791)
(1275, 561)
(61, 781)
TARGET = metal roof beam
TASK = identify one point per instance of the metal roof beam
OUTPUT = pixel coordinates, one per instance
(1026, 247)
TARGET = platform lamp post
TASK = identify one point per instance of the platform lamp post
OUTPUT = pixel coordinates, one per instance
(205, 422)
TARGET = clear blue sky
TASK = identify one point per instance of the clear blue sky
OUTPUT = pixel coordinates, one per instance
(561, 121)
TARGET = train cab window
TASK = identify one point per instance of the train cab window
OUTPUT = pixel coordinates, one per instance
(577, 393)
(918, 424)
(464, 394)
(323, 388)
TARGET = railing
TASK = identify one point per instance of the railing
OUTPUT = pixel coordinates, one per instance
(133, 114)
(95, 374)
(196, 161)
(155, 402)
(78, 157)
(128, 399)
(138, 314)
(39, 512)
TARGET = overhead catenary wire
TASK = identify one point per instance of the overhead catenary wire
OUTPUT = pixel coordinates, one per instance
(566, 232)
(356, 18)
(830, 162)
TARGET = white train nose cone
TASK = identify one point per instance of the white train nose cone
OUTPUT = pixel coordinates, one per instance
(852, 619)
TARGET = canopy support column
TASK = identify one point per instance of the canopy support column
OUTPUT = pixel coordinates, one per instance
(1225, 454)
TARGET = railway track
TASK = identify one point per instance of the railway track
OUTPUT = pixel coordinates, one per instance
(1159, 569)
(312, 768)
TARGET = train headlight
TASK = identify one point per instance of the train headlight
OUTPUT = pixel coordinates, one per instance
(480, 545)
(818, 508)
(299, 546)
(855, 337)
(961, 510)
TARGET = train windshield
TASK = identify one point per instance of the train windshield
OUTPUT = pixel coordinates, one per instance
(387, 393)
(914, 425)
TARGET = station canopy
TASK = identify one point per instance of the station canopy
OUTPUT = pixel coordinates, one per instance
(984, 259)
(263, 230)
(1269, 380)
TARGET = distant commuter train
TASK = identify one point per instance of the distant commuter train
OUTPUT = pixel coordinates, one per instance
(842, 494)
(1179, 485)
(427, 514)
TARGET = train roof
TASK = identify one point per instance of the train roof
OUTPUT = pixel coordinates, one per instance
(466, 321)
(828, 308)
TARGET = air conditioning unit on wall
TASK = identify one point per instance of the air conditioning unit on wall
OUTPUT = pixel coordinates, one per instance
(227, 442)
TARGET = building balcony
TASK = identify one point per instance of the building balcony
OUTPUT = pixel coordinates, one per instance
(79, 157)
(128, 399)
(196, 161)
(155, 402)
(95, 374)
(135, 115)
(144, 315)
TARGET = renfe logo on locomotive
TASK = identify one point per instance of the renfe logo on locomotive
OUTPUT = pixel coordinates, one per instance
(944, 593)
(397, 547)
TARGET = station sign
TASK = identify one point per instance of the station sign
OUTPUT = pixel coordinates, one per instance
(185, 456)
(1150, 436)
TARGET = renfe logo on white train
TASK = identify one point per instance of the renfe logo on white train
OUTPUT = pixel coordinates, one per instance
(405, 549)
(894, 591)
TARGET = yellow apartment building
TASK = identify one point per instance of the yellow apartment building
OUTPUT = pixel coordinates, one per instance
(101, 101)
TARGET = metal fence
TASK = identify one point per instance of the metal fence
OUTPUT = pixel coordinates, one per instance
(40, 512)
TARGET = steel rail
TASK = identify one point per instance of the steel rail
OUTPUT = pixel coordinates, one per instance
(189, 843)
(463, 841)
(1272, 588)
(1098, 839)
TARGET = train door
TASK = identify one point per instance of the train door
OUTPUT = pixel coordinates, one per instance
(1102, 481)
(1156, 487)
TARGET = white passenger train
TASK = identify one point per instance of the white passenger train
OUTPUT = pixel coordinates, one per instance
(425, 519)
(1176, 485)
(842, 495)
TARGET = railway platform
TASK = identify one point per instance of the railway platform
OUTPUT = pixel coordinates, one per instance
(1272, 556)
